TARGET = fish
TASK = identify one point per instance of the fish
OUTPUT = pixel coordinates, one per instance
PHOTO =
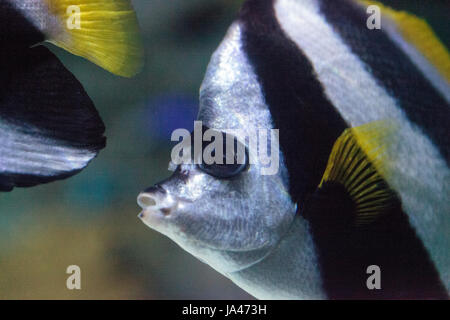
(359, 206)
(49, 126)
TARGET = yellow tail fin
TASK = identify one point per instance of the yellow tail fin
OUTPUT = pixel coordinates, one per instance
(105, 32)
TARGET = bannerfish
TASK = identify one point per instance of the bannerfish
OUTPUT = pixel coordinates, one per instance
(359, 208)
(49, 127)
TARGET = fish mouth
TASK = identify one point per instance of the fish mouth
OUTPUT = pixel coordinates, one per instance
(157, 206)
(160, 208)
(150, 203)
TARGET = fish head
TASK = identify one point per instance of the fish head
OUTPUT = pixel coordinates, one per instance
(230, 216)
(228, 223)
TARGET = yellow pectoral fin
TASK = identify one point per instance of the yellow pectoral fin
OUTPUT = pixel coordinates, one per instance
(417, 32)
(105, 32)
(359, 161)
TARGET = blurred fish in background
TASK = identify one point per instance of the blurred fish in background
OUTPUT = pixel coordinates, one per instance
(90, 220)
(49, 127)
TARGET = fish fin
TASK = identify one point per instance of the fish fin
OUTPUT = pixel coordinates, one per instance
(103, 31)
(49, 127)
(419, 33)
(356, 171)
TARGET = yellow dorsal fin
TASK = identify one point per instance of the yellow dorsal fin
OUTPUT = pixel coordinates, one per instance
(105, 32)
(417, 32)
(359, 162)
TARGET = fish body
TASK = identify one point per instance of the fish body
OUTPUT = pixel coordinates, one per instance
(363, 175)
(49, 127)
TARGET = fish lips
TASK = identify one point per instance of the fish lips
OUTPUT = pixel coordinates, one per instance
(159, 209)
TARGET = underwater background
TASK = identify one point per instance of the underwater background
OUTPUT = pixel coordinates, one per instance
(90, 220)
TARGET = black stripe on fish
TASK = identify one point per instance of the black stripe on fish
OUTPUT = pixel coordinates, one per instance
(308, 123)
(49, 127)
(346, 251)
(15, 30)
(393, 70)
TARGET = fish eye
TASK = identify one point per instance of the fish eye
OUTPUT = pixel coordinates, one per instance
(237, 157)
